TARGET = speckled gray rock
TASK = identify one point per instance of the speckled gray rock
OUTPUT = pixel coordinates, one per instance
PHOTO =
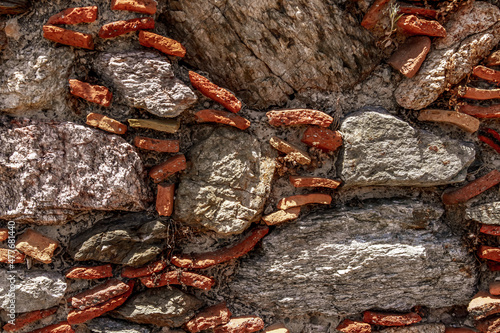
(159, 306)
(380, 149)
(51, 171)
(132, 239)
(228, 183)
(389, 255)
(108, 325)
(423, 328)
(34, 290)
(145, 80)
(488, 213)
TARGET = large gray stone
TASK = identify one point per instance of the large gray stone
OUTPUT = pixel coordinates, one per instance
(422, 328)
(108, 325)
(380, 149)
(389, 255)
(488, 213)
(228, 183)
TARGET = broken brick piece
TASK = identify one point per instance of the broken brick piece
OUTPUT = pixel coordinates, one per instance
(390, 319)
(495, 288)
(209, 318)
(314, 182)
(92, 93)
(489, 252)
(165, 199)
(9, 256)
(493, 59)
(62, 327)
(374, 14)
(222, 117)
(295, 153)
(162, 44)
(281, 216)
(204, 260)
(425, 12)
(458, 330)
(480, 94)
(214, 92)
(90, 273)
(462, 120)
(161, 146)
(99, 294)
(350, 326)
(490, 137)
(244, 324)
(493, 265)
(169, 167)
(131, 272)
(472, 189)
(106, 123)
(486, 73)
(298, 117)
(138, 6)
(490, 325)
(4, 234)
(322, 138)
(409, 57)
(179, 277)
(277, 328)
(304, 199)
(37, 246)
(28, 318)
(412, 25)
(119, 28)
(75, 15)
(483, 304)
(490, 229)
(68, 37)
(477, 111)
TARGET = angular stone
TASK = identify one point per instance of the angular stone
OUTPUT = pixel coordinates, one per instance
(209, 318)
(132, 239)
(11, 256)
(244, 324)
(350, 326)
(298, 117)
(293, 152)
(488, 213)
(423, 328)
(409, 57)
(490, 325)
(161, 146)
(346, 260)
(145, 80)
(37, 246)
(380, 149)
(108, 325)
(106, 124)
(13, 7)
(304, 199)
(226, 187)
(483, 305)
(57, 170)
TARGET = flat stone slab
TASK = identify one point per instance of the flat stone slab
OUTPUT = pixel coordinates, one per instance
(488, 213)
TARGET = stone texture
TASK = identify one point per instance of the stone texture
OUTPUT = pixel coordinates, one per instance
(281, 216)
(488, 213)
(294, 153)
(62, 327)
(226, 187)
(490, 325)
(483, 305)
(14, 7)
(37, 246)
(380, 149)
(304, 199)
(35, 290)
(298, 117)
(108, 325)
(165, 199)
(480, 94)
(145, 80)
(106, 124)
(11, 256)
(57, 170)
(133, 240)
(478, 111)
(209, 318)
(385, 255)
(350, 326)
(155, 267)
(423, 328)
(243, 324)
(486, 73)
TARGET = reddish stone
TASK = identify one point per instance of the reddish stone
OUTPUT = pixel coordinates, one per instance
(28, 318)
(480, 94)
(490, 137)
(493, 59)
(179, 277)
(204, 260)
(409, 57)
(15, 256)
(491, 325)
(350, 326)
(68, 37)
(458, 330)
(62, 327)
(293, 152)
(374, 14)
(209, 318)
(37, 246)
(489, 252)
(138, 6)
(162, 44)
(119, 28)
(99, 294)
(483, 305)
(222, 117)
(277, 328)
(298, 117)
(165, 199)
(490, 229)
(106, 123)
(90, 273)
(412, 25)
(281, 216)
(4, 234)
(169, 167)
(214, 92)
(472, 189)
(462, 120)
(322, 138)
(495, 288)
(161, 146)
(244, 324)
(390, 319)
(314, 182)
(92, 93)
(493, 265)
(477, 111)
(74, 16)
(131, 272)
(304, 199)
(419, 11)
(486, 73)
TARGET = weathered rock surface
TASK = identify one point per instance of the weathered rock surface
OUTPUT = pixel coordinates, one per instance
(51, 171)
(488, 213)
(108, 325)
(380, 149)
(387, 255)
(145, 80)
(34, 290)
(132, 240)
(423, 328)
(227, 185)
(268, 50)
(160, 306)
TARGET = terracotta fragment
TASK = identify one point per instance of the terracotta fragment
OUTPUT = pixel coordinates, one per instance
(486, 73)
(490, 137)
(131, 272)
(169, 167)
(119, 28)
(490, 229)
(491, 325)
(304, 199)
(214, 92)
(138, 6)
(165, 199)
(390, 319)
(277, 328)
(281, 216)
(480, 94)
(222, 117)
(90, 273)
(483, 305)
(493, 59)
(162, 44)
(62, 327)
(209, 318)
(244, 324)
(161, 146)
(179, 277)
(75, 15)
(68, 37)
(106, 124)
(295, 153)
(493, 265)
(298, 117)
(464, 121)
(28, 318)
(15, 256)
(477, 111)
(472, 189)
(163, 125)
(37, 246)
(409, 57)
(4, 234)
(374, 14)
(314, 182)
(495, 288)
(99, 294)
(489, 252)
(412, 25)
(350, 326)
(92, 93)
(419, 11)
(322, 138)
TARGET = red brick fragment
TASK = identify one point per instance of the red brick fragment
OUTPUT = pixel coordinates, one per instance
(28, 318)
(490, 137)
(68, 37)
(350, 326)
(486, 73)
(165, 199)
(491, 325)
(314, 182)
(374, 14)
(304, 199)
(99, 294)
(462, 120)
(169, 167)
(489, 252)
(493, 59)
(390, 319)
(458, 330)
(472, 189)
(412, 25)
(409, 57)
(493, 265)
(119, 28)
(162, 44)
(490, 229)
(90, 273)
(322, 138)
(138, 6)
(131, 272)
(179, 277)
(161, 146)
(298, 117)
(222, 117)
(244, 324)
(495, 288)
(75, 15)
(106, 123)
(419, 11)
(204, 260)
(4, 234)
(480, 94)
(214, 92)
(92, 93)
(9, 256)
(477, 111)
(209, 318)
(37, 246)
(81, 316)
(483, 305)
(62, 327)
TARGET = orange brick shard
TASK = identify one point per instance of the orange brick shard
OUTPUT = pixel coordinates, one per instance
(165, 199)
(131, 272)
(477, 111)
(490, 229)
(9, 256)
(390, 319)
(244, 324)
(495, 288)
(483, 304)
(204, 260)
(490, 325)
(304, 199)
(4, 234)
(322, 138)
(281, 216)
(90, 273)
(462, 120)
(412, 25)
(472, 189)
(425, 12)
(489, 252)
(37, 246)
(178, 277)
(292, 117)
(350, 326)
(486, 73)
(222, 117)
(68, 37)
(214, 92)
(75, 15)
(119, 28)
(62, 327)
(161, 146)
(166, 169)
(480, 94)
(92, 93)
(99, 294)
(408, 58)
(374, 14)
(105, 123)
(163, 44)
(314, 182)
(210, 317)
(28, 318)
(138, 6)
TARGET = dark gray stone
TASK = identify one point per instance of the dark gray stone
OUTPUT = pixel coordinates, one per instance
(488, 213)
(108, 325)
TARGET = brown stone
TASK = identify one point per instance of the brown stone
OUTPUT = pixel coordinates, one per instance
(169, 167)
(291, 117)
(350, 326)
(480, 94)
(90, 273)
(458, 330)
(477, 111)
(178, 277)
(68, 37)
(138, 6)
(495, 288)
(374, 14)
(119, 28)
(4, 234)
(462, 120)
(162, 44)
(222, 117)
(155, 267)
(409, 57)
(62, 327)
(472, 189)
(106, 124)
(390, 319)
(412, 25)
(493, 59)
(28, 318)
(491, 325)
(9, 256)
(281, 216)
(92, 93)
(37, 246)
(209, 318)
(75, 16)
(322, 138)
(244, 324)
(161, 146)
(277, 328)
(293, 152)
(314, 182)
(419, 11)
(214, 92)
(99, 294)
(304, 199)
(165, 199)
(483, 304)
